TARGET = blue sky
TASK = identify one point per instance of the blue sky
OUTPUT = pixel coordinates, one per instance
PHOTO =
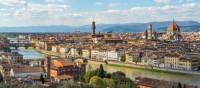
(80, 12)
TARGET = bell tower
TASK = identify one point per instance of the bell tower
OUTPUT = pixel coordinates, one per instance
(93, 28)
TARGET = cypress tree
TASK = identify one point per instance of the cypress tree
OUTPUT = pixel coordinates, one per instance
(1, 77)
(101, 72)
(179, 85)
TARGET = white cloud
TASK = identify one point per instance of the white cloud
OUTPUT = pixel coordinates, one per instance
(42, 9)
(187, 11)
(12, 2)
(182, 1)
(54, 1)
(46, 8)
(162, 1)
(62, 14)
(113, 4)
(98, 3)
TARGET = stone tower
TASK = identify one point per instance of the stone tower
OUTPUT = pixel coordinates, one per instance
(93, 28)
(149, 32)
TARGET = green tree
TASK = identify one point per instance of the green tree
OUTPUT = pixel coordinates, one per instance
(101, 72)
(42, 79)
(97, 82)
(14, 85)
(118, 75)
(88, 74)
(108, 75)
(123, 58)
(71, 84)
(179, 85)
(106, 62)
(120, 80)
(1, 77)
(109, 82)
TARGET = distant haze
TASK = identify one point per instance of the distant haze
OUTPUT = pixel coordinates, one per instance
(186, 26)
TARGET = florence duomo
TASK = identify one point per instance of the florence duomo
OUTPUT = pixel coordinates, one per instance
(173, 32)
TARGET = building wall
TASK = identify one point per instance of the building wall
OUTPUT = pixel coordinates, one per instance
(64, 50)
(86, 53)
(94, 54)
(175, 63)
(113, 55)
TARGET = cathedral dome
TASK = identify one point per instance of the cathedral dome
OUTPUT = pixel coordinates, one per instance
(173, 27)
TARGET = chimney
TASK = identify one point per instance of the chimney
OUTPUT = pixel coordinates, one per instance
(48, 66)
(93, 27)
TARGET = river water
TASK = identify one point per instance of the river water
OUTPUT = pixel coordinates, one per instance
(29, 53)
(132, 73)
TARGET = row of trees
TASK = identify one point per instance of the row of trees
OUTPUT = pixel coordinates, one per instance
(101, 79)
(9, 85)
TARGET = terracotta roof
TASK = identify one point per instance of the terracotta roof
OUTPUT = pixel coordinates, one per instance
(172, 55)
(26, 69)
(61, 63)
(155, 83)
(173, 27)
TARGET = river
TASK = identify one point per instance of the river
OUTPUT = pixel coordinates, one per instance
(29, 53)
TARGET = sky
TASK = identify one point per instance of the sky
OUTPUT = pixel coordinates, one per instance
(80, 12)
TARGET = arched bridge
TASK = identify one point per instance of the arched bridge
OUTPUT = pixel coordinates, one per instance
(21, 43)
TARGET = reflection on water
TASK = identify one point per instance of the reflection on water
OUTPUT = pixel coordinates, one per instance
(132, 73)
(29, 53)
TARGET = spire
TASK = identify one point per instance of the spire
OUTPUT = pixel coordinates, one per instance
(174, 23)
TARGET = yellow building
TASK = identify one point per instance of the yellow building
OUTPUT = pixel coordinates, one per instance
(86, 53)
(171, 60)
(54, 48)
(129, 58)
(175, 61)
(64, 50)
(188, 63)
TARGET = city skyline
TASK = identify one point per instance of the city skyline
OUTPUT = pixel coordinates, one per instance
(80, 12)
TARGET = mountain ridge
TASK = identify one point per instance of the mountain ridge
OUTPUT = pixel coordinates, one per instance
(186, 26)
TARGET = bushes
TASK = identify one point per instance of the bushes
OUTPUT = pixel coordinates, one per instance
(118, 75)
(9, 85)
(97, 82)
(71, 84)
(121, 80)
(100, 79)
(88, 74)
(108, 82)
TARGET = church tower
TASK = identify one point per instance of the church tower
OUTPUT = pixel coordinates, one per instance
(93, 28)
(149, 31)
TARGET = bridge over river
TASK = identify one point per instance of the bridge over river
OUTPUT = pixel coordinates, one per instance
(16, 43)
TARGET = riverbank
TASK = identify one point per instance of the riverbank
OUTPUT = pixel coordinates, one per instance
(133, 66)
(152, 69)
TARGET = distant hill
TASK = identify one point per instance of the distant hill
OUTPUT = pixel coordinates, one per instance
(186, 26)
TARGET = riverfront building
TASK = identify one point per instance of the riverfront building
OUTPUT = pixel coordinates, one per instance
(181, 62)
